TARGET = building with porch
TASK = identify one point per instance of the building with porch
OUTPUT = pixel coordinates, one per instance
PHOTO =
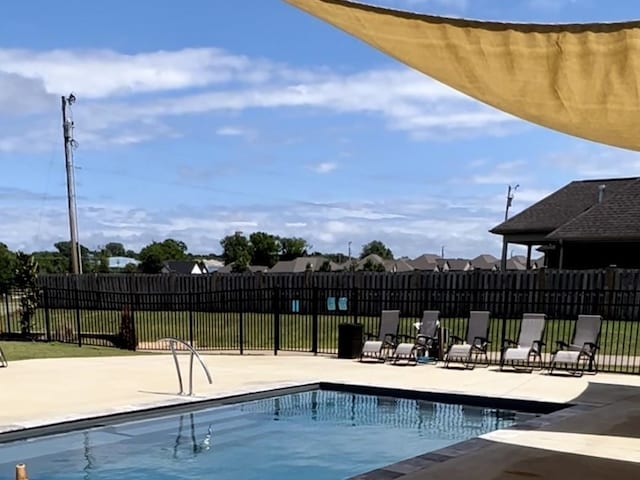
(586, 224)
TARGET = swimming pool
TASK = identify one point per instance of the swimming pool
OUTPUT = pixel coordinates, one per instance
(315, 435)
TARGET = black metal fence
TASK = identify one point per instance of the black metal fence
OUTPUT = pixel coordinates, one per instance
(307, 319)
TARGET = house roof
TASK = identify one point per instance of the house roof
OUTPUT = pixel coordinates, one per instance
(456, 263)
(616, 218)
(373, 258)
(182, 267)
(484, 262)
(514, 264)
(397, 266)
(427, 261)
(562, 206)
(297, 265)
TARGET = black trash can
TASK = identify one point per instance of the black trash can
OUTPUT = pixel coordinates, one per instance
(349, 340)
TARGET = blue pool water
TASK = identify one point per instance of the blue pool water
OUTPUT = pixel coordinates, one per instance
(312, 435)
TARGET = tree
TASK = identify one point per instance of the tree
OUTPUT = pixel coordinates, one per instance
(325, 267)
(241, 263)
(64, 250)
(131, 254)
(371, 266)
(114, 249)
(264, 248)
(52, 262)
(236, 248)
(7, 267)
(376, 247)
(26, 282)
(293, 247)
(156, 253)
(130, 268)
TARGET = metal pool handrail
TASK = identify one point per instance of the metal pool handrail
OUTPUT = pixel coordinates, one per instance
(172, 344)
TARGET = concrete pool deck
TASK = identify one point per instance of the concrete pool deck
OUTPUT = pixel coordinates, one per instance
(602, 439)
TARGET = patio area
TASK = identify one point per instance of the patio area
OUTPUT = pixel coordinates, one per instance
(601, 435)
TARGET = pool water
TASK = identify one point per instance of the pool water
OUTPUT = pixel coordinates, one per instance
(312, 435)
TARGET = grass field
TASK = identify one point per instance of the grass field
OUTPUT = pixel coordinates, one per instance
(28, 350)
(222, 331)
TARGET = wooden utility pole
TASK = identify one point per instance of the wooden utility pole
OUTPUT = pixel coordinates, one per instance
(67, 129)
(505, 244)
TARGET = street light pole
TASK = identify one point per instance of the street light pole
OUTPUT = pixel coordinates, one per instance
(505, 245)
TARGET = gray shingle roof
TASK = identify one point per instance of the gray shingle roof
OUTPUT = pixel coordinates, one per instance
(616, 218)
(562, 206)
(424, 262)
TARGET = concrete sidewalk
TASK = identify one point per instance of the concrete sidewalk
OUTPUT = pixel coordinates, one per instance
(39, 392)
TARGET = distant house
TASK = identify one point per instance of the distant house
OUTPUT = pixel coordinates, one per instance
(586, 224)
(183, 267)
(371, 259)
(515, 264)
(298, 265)
(251, 268)
(485, 262)
(427, 262)
(118, 263)
(454, 265)
(398, 266)
(213, 265)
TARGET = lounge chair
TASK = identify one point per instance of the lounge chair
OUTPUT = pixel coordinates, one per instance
(529, 345)
(413, 348)
(582, 350)
(377, 346)
(474, 345)
(3, 359)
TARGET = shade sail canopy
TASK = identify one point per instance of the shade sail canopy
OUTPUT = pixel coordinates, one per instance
(580, 79)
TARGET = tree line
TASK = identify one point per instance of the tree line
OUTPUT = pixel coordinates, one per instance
(238, 250)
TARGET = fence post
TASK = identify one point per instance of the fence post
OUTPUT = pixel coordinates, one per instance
(241, 332)
(190, 298)
(8, 310)
(78, 320)
(47, 319)
(506, 313)
(475, 292)
(356, 307)
(276, 320)
(314, 320)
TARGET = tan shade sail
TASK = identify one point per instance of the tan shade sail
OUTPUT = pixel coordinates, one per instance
(580, 79)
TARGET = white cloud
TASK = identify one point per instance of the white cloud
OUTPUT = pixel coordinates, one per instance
(596, 162)
(410, 226)
(59, 70)
(205, 81)
(230, 132)
(506, 173)
(324, 167)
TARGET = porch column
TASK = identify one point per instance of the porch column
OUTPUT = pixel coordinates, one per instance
(505, 247)
(529, 257)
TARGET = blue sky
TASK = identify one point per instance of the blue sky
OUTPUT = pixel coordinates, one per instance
(196, 119)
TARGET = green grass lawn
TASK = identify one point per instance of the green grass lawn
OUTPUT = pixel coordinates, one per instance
(27, 350)
(222, 331)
